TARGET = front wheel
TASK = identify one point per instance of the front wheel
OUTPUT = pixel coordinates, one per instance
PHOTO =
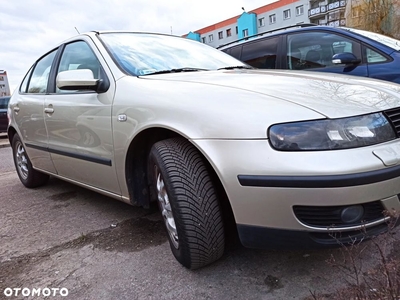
(28, 176)
(188, 202)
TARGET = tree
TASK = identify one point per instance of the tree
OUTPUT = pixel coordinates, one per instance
(380, 16)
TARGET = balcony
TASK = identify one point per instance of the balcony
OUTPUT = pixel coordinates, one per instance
(337, 23)
(316, 12)
(336, 5)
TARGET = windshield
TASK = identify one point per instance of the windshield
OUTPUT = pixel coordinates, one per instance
(388, 41)
(146, 54)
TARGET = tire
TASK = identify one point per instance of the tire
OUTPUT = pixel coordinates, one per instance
(28, 176)
(188, 202)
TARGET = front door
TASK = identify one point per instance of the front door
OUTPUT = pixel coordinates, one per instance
(313, 50)
(79, 125)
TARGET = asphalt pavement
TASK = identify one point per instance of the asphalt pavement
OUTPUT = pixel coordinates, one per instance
(60, 236)
(4, 140)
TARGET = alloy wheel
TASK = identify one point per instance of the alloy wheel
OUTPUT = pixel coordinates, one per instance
(166, 210)
(22, 161)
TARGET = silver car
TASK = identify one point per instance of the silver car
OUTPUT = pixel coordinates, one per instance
(290, 159)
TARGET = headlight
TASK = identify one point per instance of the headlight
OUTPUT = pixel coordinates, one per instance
(331, 134)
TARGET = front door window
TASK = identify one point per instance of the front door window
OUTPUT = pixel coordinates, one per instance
(311, 50)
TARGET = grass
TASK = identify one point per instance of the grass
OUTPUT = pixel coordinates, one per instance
(365, 283)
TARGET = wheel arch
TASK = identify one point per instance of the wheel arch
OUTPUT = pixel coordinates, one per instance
(136, 170)
(136, 163)
(10, 133)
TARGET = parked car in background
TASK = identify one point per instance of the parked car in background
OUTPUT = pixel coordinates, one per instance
(150, 118)
(3, 113)
(323, 49)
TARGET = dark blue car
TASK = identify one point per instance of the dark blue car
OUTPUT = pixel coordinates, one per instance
(3, 113)
(324, 49)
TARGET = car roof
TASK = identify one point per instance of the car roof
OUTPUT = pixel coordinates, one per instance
(95, 33)
(261, 35)
(308, 27)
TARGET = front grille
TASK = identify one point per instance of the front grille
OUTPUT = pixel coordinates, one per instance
(393, 115)
(330, 216)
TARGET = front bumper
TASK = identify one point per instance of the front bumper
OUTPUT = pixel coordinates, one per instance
(271, 238)
(264, 186)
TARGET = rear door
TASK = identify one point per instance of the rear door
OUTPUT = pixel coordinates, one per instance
(28, 111)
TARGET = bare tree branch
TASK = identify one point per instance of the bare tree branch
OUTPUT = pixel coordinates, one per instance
(380, 16)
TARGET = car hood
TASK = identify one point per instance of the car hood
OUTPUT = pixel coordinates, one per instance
(328, 94)
(243, 104)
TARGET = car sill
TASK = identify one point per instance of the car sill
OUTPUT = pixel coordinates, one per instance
(98, 160)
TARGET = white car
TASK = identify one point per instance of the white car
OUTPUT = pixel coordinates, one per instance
(290, 158)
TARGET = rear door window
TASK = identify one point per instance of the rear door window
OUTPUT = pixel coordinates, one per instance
(24, 83)
(261, 54)
(41, 72)
(235, 52)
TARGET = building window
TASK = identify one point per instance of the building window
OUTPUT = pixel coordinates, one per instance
(286, 14)
(272, 19)
(210, 38)
(220, 35)
(203, 40)
(355, 12)
(333, 16)
(261, 22)
(299, 10)
(228, 32)
(237, 30)
(245, 32)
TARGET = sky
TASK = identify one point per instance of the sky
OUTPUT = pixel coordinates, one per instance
(28, 29)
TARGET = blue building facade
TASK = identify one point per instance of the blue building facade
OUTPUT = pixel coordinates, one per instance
(278, 14)
(247, 25)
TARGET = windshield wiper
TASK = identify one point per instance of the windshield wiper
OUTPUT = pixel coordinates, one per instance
(177, 70)
(235, 67)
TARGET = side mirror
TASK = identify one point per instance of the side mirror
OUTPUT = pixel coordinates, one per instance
(77, 80)
(345, 58)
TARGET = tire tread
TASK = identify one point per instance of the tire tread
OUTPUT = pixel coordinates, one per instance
(197, 208)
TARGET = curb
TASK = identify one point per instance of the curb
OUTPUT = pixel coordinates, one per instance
(4, 145)
(4, 141)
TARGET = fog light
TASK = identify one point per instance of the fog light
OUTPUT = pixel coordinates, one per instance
(352, 214)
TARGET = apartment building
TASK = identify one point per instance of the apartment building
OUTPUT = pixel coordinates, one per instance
(327, 12)
(4, 86)
(272, 16)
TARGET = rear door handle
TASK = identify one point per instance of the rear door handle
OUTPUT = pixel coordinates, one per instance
(49, 110)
